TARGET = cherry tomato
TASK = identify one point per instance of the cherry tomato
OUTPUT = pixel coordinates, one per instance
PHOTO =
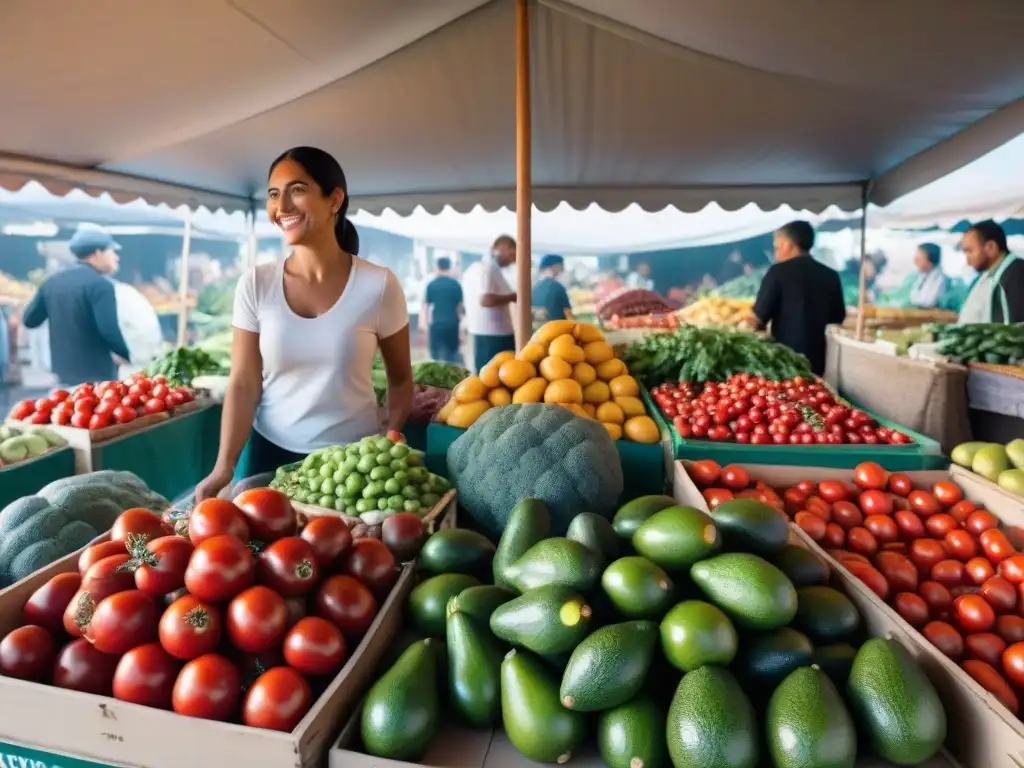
(80, 667)
(216, 517)
(898, 571)
(372, 563)
(846, 514)
(289, 566)
(209, 687)
(996, 546)
(137, 522)
(155, 405)
(794, 499)
(985, 646)
(871, 576)
(704, 473)
(925, 553)
(1000, 594)
(123, 621)
(979, 570)
(862, 541)
(1012, 569)
(924, 503)
(46, 606)
(811, 524)
(962, 510)
(269, 513)
(219, 569)
(734, 477)
(835, 536)
(145, 675)
(945, 638)
(947, 493)
(936, 595)
(833, 491)
(900, 484)
(949, 573)
(912, 608)
(277, 701)
(988, 678)
(869, 476)
(876, 503)
(818, 506)
(190, 628)
(314, 646)
(1010, 628)
(981, 521)
(97, 552)
(162, 564)
(124, 414)
(256, 620)
(959, 543)
(27, 653)
(910, 525)
(807, 487)
(716, 496)
(346, 603)
(939, 525)
(973, 613)
(882, 528)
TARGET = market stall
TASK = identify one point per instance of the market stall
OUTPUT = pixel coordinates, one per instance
(995, 397)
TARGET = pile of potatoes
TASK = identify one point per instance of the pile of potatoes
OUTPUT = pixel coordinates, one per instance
(565, 363)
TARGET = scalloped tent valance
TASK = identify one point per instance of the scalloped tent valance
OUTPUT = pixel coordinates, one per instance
(653, 102)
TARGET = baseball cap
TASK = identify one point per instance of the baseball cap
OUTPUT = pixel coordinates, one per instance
(88, 240)
(551, 260)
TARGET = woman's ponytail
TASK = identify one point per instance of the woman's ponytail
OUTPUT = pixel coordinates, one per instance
(345, 231)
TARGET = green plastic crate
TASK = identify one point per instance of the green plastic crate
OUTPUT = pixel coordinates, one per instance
(26, 477)
(923, 453)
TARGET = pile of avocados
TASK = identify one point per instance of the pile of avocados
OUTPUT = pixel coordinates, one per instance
(666, 636)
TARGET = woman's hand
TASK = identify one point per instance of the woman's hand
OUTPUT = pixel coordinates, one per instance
(213, 483)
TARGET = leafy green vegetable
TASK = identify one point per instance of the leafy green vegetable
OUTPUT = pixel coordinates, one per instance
(992, 343)
(428, 374)
(183, 364)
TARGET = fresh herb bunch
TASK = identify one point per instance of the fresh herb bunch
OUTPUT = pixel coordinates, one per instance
(428, 374)
(183, 364)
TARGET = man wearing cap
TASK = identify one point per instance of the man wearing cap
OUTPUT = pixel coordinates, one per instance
(81, 306)
(550, 299)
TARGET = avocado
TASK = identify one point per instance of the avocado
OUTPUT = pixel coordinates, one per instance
(711, 722)
(595, 532)
(637, 588)
(835, 661)
(695, 633)
(535, 721)
(748, 525)
(768, 657)
(634, 513)
(401, 711)
(528, 523)
(428, 601)
(807, 723)
(894, 703)
(1012, 481)
(556, 561)
(753, 592)
(801, 566)
(1015, 453)
(480, 602)
(457, 550)
(609, 667)
(474, 670)
(677, 537)
(964, 453)
(548, 620)
(825, 615)
(989, 461)
(632, 735)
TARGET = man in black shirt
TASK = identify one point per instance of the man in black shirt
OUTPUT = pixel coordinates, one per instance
(799, 295)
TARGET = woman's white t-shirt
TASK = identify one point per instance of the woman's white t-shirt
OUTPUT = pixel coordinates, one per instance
(317, 385)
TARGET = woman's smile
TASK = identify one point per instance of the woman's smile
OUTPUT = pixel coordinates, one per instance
(290, 221)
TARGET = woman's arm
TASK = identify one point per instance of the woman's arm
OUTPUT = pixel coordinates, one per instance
(245, 386)
(398, 365)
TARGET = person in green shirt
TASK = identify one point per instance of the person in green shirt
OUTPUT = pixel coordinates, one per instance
(550, 299)
(997, 295)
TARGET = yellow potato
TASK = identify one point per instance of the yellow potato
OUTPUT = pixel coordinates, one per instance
(532, 353)
(584, 373)
(514, 373)
(624, 386)
(531, 392)
(596, 392)
(499, 397)
(552, 330)
(631, 406)
(564, 391)
(614, 430)
(555, 368)
(470, 390)
(464, 415)
(565, 347)
(610, 369)
(489, 375)
(610, 413)
(642, 429)
(585, 333)
(597, 352)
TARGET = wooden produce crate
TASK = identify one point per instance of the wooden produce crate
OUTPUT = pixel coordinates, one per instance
(441, 515)
(982, 732)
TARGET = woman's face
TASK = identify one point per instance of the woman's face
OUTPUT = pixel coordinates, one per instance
(921, 261)
(297, 205)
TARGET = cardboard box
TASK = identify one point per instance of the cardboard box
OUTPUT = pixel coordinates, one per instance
(982, 732)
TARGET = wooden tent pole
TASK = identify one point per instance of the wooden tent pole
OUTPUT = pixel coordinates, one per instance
(186, 247)
(862, 292)
(524, 191)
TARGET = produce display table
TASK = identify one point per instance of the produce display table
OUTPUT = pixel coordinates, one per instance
(995, 397)
(927, 397)
(27, 477)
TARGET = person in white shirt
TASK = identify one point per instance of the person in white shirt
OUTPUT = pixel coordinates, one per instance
(930, 283)
(487, 296)
(140, 326)
(640, 278)
(306, 330)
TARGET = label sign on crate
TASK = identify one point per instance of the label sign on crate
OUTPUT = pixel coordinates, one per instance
(15, 756)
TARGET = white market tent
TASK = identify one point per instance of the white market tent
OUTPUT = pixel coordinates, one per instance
(653, 102)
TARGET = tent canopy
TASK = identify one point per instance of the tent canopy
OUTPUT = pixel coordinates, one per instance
(654, 102)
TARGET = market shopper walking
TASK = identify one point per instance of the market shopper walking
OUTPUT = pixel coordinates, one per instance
(80, 305)
(488, 298)
(997, 295)
(442, 304)
(306, 330)
(550, 299)
(799, 296)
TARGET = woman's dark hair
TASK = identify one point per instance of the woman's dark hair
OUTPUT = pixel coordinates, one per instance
(328, 175)
(932, 252)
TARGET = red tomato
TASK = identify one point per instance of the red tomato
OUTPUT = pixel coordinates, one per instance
(871, 576)
(846, 514)
(949, 573)
(1013, 663)
(1000, 594)
(123, 621)
(973, 613)
(216, 517)
(403, 534)
(806, 486)
(704, 473)
(23, 410)
(296, 609)
(219, 569)
(959, 543)
(289, 566)
(1012, 569)
(138, 522)
(346, 603)
(947, 493)
(986, 647)
(155, 405)
(898, 571)
(716, 496)
(46, 606)
(331, 538)
(190, 628)
(833, 491)
(818, 506)
(104, 578)
(162, 565)
(869, 476)
(876, 503)
(124, 414)
(979, 570)
(936, 595)
(862, 541)
(373, 564)
(925, 553)
(314, 646)
(924, 503)
(80, 667)
(100, 420)
(277, 701)
(81, 420)
(161, 391)
(939, 525)
(270, 514)
(256, 620)
(900, 484)
(734, 477)
(209, 687)
(835, 536)
(913, 609)
(981, 521)
(988, 678)
(996, 546)
(794, 499)
(97, 552)
(910, 525)
(145, 675)
(882, 527)
(962, 510)
(1010, 628)
(27, 653)
(945, 638)
(810, 524)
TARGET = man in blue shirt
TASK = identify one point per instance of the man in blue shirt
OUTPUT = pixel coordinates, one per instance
(442, 306)
(550, 299)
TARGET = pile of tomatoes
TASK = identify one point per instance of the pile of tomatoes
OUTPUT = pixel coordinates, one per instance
(239, 619)
(752, 409)
(96, 406)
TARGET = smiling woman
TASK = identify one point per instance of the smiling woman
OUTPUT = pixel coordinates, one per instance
(306, 330)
